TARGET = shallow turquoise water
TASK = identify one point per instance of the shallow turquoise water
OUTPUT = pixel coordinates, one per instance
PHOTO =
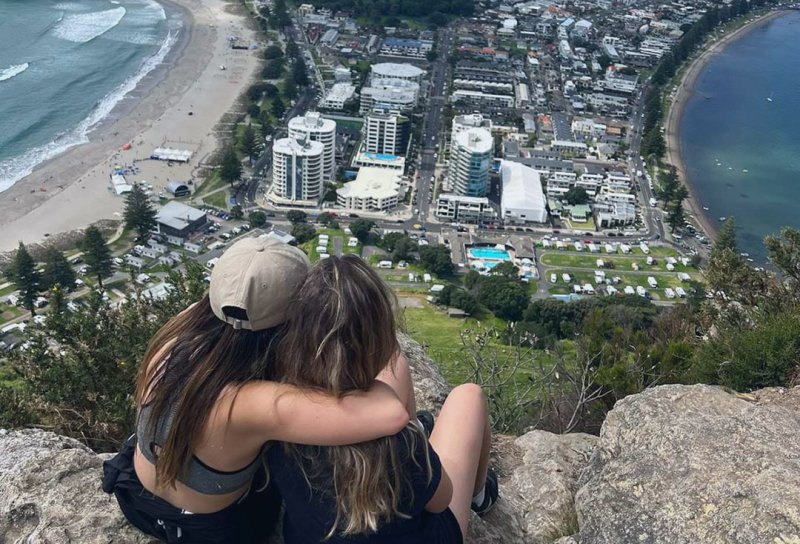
(487, 253)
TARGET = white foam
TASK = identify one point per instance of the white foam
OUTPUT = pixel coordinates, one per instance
(13, 70)
(13, 170)
(84, 27)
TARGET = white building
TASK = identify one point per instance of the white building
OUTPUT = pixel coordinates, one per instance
(338, 96)
(480, 99)
(467, 209)
(470, 159)
(297, 172)
(374, 189)
(378, 160)
(394, 70)
(522, 199)
(313, 127)
(386, 133)
(470, 120)
(390, 94)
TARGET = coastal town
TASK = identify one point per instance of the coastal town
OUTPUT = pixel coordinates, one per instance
(525, 135)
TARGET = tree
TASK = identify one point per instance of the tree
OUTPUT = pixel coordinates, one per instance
(57, 271)
(278, 109)
(300, 73)
(237, 212)
(464, 301)
(576, 195)
(257, 218)
(139, 215)
(289, 89)
(230, 167)
(436, 260)
(727, 236)
(503, 296)
(26, 278)
(676, 216)
(253, 111)
(96, 254)
(303, 232)
(361, 228)
(404, 250)
(507, 270)
(296, 216)
(653, 143)
(249, 143)
(273, 52)
(272, 70)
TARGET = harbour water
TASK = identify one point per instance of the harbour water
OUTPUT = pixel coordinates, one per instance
(740, 133)
(64, 66)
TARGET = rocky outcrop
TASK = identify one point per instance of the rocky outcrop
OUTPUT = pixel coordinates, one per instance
(695, 464)
(673, 465)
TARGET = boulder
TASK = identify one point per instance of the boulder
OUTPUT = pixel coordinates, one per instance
(695, 465)
(50, 493)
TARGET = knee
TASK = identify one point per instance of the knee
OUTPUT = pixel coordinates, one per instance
(469, 392)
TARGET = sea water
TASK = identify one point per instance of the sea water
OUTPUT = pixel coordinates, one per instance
(740, 133)
(64, 66)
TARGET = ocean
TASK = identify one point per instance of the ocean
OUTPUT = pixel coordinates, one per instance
(65, 65)
(740, 133)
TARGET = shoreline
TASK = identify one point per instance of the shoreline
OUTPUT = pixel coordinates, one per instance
(676, 110)
(181, 102)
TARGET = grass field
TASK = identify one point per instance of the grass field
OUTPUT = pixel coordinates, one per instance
(310, 247)
(218, 200)
(664, 280)
(209, 184)
(620, 263)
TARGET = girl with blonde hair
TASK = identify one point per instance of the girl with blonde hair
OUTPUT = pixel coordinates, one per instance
(404, 488)
(192, 472)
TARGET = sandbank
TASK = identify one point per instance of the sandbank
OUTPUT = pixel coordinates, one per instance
(178, 104)
(682, 96)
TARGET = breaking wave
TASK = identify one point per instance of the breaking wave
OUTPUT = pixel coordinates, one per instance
(14, 169)
(13, 70)
(84, 27)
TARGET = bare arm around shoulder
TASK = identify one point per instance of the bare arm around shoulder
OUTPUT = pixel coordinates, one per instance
(276, 411)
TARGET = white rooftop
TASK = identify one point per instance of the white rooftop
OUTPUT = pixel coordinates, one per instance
(396, 69)
(300, 148)
(522, 191)
(312, 121)
(372, 182)
(478, 140)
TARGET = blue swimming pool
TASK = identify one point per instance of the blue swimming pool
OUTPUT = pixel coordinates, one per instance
(489, 254)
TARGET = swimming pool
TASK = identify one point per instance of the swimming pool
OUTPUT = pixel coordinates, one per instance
(489, 254)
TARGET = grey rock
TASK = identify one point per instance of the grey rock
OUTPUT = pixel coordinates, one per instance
(50, 493)
(695, 465)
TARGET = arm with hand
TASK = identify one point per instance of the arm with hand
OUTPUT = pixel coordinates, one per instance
(288, 413)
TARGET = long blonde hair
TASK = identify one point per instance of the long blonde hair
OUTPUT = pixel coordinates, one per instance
(342, 335)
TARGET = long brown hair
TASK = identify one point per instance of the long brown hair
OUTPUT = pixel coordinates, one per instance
(200, 355)
(340, 337)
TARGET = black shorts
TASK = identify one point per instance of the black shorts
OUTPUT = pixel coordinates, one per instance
(250, 520)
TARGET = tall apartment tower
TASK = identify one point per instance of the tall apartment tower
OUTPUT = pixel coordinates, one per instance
(470, 159)
(297, 170)
(313, 127)
(386, 133)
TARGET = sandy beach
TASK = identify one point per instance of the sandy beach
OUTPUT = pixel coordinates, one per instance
(682, 96)
(177, 105)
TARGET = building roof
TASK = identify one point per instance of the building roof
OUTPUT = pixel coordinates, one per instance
(313, 122)
(522, 190)
(173, 186)
(372, 182)
(178, 215)
(301, 148)
(477, 140)
(396, 69)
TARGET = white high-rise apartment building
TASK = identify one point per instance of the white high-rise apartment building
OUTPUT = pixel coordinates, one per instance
(297, 170)
(386, 133)
(470, 159)
(313, 127)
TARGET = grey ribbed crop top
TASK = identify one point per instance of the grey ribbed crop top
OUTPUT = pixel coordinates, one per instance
(199, 477)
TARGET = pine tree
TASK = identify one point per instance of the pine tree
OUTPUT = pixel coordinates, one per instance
(249, 144)
(278, 109)
(57, 271)
(26, 278)
(139, 213)
(230, 168)
(676, 215)
(727, 236)
(96, 254)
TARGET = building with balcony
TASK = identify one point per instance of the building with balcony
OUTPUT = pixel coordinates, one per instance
(317, 129)
(297, 172)
(470, 159)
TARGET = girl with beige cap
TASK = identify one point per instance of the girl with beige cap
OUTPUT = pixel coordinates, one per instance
(192, 471)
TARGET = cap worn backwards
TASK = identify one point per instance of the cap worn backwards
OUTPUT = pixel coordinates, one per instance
(262, 277)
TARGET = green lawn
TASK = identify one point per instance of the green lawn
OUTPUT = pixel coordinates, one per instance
(310, 247)
(211, 182)
(664, 280)
(620, 263)
(218, 200)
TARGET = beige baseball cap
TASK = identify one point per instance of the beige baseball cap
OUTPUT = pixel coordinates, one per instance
(261, 276)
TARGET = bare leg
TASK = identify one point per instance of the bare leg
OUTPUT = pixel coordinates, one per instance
(462, 440)
(397, 375)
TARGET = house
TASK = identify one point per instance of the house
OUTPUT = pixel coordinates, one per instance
(179, 220)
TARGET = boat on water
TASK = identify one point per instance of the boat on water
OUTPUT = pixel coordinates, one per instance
(723, 218)
(745, 171)
(769, 98)
(705, 208)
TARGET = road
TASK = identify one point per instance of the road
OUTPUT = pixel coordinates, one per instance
(652, 216)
